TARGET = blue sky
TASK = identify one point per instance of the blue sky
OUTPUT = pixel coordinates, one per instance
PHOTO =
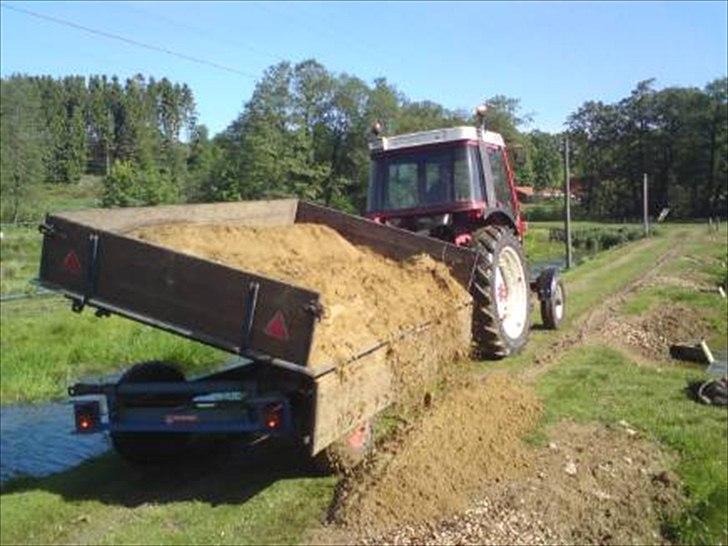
(553, 56)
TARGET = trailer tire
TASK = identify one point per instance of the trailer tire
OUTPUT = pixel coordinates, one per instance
(500, 280)
(146, 448)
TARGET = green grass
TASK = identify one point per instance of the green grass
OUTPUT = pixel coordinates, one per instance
(103, 501)
(538, 247)
(106, 502)
(20, 244)
(597, 383)
(19, 259)
(711, 307)
(44, 347)
(57, 197)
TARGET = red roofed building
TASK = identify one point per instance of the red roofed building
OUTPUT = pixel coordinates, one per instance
(525, 193)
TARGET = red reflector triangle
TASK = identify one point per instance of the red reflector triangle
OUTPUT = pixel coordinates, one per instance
(277, 328)
(71, 262)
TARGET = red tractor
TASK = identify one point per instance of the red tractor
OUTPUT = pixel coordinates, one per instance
(458, 185)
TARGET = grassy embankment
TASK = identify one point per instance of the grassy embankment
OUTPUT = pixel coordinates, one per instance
(104, 501)
(43, 346)
(601, 383)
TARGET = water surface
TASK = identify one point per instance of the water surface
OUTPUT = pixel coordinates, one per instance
(38, 440)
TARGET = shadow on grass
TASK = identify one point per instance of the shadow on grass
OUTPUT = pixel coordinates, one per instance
(540, 327)
(231, 474)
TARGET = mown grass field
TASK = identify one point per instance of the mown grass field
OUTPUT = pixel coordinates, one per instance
(223, 500)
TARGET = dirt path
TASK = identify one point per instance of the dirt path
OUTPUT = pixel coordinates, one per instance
(594, 320)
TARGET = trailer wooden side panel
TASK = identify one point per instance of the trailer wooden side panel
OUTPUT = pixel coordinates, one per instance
(390, 241)
(351, 394)
(193, 297)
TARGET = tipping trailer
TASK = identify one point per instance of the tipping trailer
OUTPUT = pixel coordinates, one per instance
(275, 390)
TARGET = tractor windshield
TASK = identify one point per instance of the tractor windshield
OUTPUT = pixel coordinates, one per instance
(425, 178)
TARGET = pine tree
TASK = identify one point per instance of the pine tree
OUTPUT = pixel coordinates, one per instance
(22, 141)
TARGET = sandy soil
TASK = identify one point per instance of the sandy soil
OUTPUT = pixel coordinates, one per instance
(367, 298)
(471, 436)
(589, 485)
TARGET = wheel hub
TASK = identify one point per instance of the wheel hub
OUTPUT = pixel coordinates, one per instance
(511, 293)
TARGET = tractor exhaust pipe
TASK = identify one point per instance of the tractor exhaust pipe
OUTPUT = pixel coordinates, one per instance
(480, 112)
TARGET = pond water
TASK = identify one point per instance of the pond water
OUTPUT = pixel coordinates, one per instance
(37, 440)
(558, 262)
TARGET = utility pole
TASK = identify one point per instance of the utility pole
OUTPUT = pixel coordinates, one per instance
(567, 202)
(645, 218)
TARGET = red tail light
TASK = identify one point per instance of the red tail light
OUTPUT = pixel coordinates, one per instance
(87, 416)
(273, 416)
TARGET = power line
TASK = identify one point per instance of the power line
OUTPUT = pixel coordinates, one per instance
(130, 41)
(209, 35)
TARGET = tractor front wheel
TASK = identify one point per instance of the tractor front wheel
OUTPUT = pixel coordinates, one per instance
(501, 296)
(552, 308)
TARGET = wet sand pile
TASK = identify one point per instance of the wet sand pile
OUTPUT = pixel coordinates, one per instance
(367, 298)
(470, 437)
(590, 485)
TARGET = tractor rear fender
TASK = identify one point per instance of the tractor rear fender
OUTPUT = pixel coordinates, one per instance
(498, 216)
(545, 283)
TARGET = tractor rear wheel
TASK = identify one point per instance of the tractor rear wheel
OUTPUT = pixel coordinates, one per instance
(151, 447)
(501, 296)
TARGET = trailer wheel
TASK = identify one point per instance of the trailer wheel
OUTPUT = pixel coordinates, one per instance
(552, 308)
(501, 294)
(144, 447)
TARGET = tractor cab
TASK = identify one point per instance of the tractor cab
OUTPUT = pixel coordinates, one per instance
(457, 185)
(444, 183)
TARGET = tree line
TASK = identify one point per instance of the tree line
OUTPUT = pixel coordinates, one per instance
(678, 136)
(304, 133)
(56, 130)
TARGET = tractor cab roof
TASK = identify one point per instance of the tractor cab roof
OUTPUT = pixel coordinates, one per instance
(437, 136)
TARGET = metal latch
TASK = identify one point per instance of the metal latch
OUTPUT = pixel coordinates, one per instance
(51, 231)
(315, 308)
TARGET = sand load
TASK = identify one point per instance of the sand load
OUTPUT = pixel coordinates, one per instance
(367, 297)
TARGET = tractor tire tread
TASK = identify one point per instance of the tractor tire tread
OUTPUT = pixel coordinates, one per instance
(490, 341)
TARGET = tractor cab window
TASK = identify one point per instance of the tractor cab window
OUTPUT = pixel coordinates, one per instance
(402, 185)
(424, 178)
(500, 177)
